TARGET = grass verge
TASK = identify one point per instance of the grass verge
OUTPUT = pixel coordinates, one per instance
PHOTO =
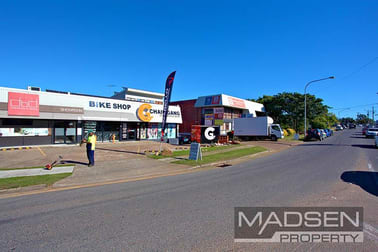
(223, 156)
(186, 152)
(291, 138)
(7, 183)
(33, 167)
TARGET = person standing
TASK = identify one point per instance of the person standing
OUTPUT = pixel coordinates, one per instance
(91, 146)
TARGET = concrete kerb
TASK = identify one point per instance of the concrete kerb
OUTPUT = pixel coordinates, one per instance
(35, 172)
(235, 160)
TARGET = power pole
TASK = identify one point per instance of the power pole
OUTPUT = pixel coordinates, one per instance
(373, 113)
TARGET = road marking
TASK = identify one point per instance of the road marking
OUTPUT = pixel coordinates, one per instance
(42, 152)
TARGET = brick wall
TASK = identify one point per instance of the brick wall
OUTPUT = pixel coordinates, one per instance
(190, 115)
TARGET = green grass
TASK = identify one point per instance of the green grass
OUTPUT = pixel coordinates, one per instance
(186, 152)
(223, 156)
(7, 183)
(34, 167)
(291, 138)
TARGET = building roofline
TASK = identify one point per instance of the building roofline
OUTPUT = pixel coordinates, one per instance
(143, 91)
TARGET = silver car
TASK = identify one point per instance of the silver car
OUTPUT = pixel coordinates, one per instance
(372, 132)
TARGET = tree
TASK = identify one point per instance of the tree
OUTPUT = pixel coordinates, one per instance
(287, 109)
(363, 119)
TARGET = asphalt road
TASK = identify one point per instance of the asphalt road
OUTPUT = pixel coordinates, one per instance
(184, 212)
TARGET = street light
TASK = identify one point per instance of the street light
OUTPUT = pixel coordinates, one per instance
(305, 108)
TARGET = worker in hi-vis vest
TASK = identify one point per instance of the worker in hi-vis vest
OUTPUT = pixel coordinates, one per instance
(91, 146)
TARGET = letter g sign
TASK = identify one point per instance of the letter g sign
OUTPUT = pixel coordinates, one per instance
(143, 112)
(210, 133)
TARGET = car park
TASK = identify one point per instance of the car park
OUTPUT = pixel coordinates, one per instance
(371, 132)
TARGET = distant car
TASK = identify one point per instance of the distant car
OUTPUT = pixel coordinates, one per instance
(352, 126)
(376, 141)
(184, 138)
(339, 127)
(372, 132)
(364, 129)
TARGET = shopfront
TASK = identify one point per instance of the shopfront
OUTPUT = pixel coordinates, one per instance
(36, 117)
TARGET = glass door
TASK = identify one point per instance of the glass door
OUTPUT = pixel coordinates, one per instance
(131, 131)
(59, 132)
(65, 132)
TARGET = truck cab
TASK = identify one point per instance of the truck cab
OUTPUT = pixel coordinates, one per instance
(276, 132)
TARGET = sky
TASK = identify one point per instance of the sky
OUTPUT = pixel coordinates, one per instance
(241, 48)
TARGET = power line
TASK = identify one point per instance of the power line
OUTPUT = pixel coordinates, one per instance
(357, 106)
(359, 69)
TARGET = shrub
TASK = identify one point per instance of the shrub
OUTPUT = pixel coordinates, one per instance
(291, 132)
(285, 133)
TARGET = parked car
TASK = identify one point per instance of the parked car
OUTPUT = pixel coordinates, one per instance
(329, 132)
(314, 134)
(376, 141)
(324, 134)
(364, 129)
(339, 127)
(352, 126)
(184, 138)
(372, 132)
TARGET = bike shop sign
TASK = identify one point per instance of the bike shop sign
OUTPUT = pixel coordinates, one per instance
(299, 224)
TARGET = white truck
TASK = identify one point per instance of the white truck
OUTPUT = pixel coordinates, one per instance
(256, 128)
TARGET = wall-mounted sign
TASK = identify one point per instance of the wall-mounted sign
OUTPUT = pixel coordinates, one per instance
(143, 112)
(208, 100)
(218, 122)
(210, 134)
(235, 102)
(109, 105)
(23, 104)
(215, 100)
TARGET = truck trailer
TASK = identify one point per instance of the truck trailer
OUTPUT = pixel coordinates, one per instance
(257, 128)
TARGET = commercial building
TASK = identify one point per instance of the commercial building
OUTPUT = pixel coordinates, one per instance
(32, 116)
(218, 110)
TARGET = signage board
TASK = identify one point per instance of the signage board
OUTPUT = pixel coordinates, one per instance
(235, 102)
(23, 104)
(215, 100)
(218, 122)
(210, 134)
(196, 133)
(195, 151)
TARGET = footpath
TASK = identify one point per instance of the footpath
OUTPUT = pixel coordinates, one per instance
(115, 163)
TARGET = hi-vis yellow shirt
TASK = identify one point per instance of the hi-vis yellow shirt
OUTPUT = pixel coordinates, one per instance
(92, 141)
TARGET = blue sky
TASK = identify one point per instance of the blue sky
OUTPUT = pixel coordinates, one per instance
(241, 48)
